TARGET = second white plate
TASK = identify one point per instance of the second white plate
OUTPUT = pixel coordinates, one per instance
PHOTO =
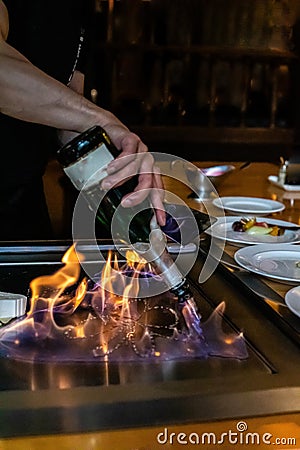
(222, 229)
(276, 261)
(249, 205)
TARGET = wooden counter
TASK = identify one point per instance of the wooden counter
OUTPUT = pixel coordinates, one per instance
(251, 181)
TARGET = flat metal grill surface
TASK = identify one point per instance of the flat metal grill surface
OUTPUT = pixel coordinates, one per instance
(19, 375)
(170, 391)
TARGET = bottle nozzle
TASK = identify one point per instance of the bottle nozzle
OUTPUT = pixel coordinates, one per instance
(182, 291)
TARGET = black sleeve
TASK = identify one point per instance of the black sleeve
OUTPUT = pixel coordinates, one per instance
(88, 37)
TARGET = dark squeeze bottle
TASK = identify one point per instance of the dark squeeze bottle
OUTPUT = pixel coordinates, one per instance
(84, 160)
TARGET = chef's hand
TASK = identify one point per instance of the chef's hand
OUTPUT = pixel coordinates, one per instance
(134, 159)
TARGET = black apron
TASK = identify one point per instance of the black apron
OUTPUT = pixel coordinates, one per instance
(49, 34)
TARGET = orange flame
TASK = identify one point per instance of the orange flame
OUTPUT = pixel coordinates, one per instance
(111, 275)
(51, 287)
(132, 257)
(136, 262)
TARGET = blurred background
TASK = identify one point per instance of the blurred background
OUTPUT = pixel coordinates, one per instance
(213, 79)
(207, 80)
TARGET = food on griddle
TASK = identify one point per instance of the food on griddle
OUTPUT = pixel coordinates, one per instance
(251, 226)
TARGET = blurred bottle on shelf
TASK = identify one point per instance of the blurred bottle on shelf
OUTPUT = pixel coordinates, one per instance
(94, 95)
(131, 22)
(260, 29)
(168, 103)
(169, 111)
(244, 23)
(128, 87)
(200, 17)
(258, 110)
(176, 22)
(215, 98)
(100, 22)
(179, 22)
(154, 95)
(283, 16)
(198, 94)
(158, 17)
(130, 110)
(206, 32)
(283, 117)
(131, 30)
(226, 112)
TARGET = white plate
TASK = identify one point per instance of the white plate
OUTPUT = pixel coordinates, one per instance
(292, 300)
(275, 261)
(248, 205)
(287, 187)
(222, 229)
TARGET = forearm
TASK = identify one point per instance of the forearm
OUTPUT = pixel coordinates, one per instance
(76, 84)
(29, 94)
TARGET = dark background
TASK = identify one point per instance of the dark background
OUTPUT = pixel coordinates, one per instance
(213, 80)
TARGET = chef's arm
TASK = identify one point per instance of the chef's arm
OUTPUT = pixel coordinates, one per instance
(77, 85)
(29, 94)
